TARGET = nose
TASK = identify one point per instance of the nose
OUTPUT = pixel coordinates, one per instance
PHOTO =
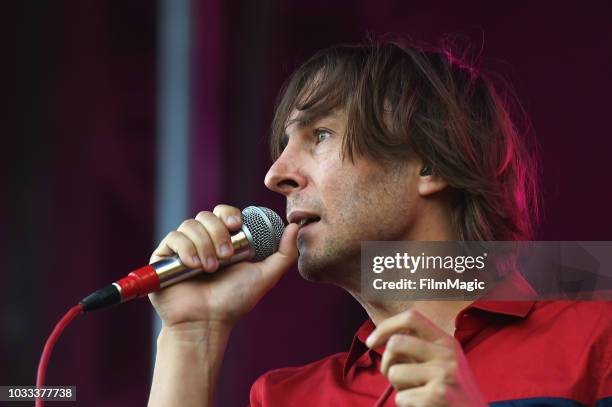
(285, 175)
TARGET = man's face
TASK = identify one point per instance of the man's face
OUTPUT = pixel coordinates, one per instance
(340, 203)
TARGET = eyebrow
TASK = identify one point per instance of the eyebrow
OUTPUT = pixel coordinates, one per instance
(307, 118)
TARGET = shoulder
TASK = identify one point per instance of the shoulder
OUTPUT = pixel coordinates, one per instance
(296, 379)
(329, 364)
(559, 349)
(585, 326)
(563, 335)
(589, 319)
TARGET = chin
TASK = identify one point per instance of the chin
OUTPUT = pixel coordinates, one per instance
(310, 270)
(327, 268)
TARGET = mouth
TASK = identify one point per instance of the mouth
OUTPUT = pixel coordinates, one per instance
(307, 221)
(302, 218)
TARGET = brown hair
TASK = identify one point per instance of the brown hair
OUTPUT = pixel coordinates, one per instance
(402, 101)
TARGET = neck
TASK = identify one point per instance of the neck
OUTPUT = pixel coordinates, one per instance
(435, 225)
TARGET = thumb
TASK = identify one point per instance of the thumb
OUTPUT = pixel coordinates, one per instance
(274, 266)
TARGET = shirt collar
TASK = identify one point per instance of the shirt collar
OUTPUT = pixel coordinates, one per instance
(513, 287)
(358, 347)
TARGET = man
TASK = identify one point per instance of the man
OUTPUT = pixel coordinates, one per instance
(382, 142)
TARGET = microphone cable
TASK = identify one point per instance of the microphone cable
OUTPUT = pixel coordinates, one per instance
(51, 340)
(67, 319)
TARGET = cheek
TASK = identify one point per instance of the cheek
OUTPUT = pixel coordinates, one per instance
(338, 188)
(371, 206)
(331, 184)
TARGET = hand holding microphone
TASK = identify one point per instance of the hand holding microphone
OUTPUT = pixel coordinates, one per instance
(202, 245)
(206, 243)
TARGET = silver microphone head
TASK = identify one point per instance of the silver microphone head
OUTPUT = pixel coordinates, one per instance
(264, 229)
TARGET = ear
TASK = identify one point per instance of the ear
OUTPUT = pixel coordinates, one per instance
(429, 182)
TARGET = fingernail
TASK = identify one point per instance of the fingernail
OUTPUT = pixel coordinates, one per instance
(234, 219)
(224, 249)
(196, 260)
(370, 341)
(211, 263)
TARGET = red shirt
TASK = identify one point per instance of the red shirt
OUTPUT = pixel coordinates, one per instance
(522, 353)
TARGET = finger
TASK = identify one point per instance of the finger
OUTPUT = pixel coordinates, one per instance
(198, 234)
(160, 252)
(405, 348)
(230, 215)
(408, 321)
(218, 233)
(408, 375)
(177, 243)
(415, 397)
(274, 266)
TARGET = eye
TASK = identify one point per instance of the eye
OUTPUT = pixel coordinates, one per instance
(322, 135)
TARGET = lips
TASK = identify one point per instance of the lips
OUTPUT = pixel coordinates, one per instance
(302, 218)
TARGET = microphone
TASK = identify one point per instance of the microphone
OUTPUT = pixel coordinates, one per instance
(258, 238)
